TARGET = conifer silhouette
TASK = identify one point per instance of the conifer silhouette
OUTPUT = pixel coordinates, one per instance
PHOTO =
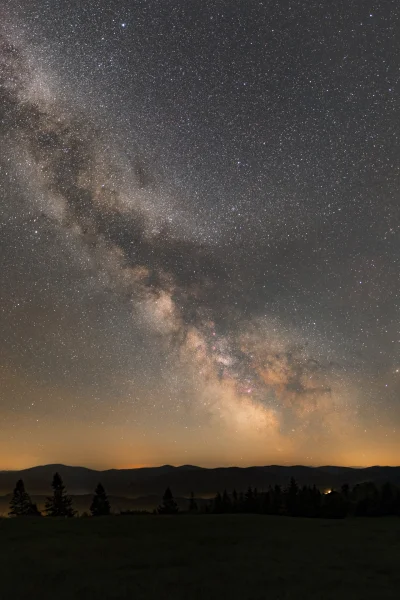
(192, 503)
(21, 504)
(249, 501)
(59, 504)
(217, 504)
(234, 501)
(226, 502)
(100, 505)
(168, 506)
(292, 497)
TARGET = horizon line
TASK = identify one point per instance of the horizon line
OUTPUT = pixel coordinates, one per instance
(177, 466)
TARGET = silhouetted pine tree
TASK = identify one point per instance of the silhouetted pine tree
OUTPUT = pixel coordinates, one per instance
(266, 502)
(345, 494)
(291, 497)
(345, 491)
(249, 501)
(234, 501)
(100, 505)
(217, 504)
(367, 499)
(59, 504)
(387, 503)
(316, 501)
(168, 506)
(192, 503)
(276, 501)
(397, 502)
(21, 504)
(226, 503)
(303, 502)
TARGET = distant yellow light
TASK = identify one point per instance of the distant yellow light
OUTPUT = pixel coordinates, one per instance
(327, 492)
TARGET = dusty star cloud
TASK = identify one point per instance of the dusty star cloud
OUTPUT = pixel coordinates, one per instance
(200, 241)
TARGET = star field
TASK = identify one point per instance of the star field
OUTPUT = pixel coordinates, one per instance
(199, 233)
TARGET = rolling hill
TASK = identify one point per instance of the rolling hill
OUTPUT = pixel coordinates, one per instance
(152, 481)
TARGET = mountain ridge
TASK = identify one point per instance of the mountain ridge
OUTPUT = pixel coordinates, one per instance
(183, 479)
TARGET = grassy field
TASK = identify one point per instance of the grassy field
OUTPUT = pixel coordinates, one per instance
(210, 557)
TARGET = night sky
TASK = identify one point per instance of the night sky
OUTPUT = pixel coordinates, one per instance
(199, 232)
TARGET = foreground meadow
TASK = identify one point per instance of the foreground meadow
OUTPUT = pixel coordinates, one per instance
(192, 557)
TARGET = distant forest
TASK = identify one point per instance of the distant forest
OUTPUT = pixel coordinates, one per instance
(362, 500)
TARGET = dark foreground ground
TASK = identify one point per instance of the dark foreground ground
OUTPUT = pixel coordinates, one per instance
(208, 557)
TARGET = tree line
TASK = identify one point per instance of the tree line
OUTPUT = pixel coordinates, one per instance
(364, 499)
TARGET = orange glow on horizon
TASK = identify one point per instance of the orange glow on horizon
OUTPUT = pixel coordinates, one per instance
(134, 466)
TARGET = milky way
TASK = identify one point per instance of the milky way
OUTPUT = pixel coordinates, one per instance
(199, 233)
